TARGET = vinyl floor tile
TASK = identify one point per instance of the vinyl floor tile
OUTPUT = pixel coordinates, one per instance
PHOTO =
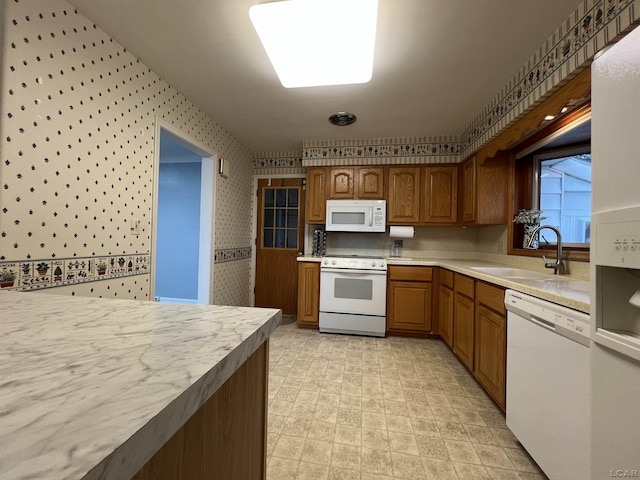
(356, 408)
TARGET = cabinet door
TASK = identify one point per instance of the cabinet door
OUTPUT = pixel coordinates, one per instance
(469, 190)
(341, 183)
(440, 194)
(308, 294)
(445, 315)
(490, 358)
(409, 306)
(403, 203)
(316, 203)
(463, 318)
(370, 183)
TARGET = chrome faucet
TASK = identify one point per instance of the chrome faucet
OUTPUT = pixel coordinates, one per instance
(558, 265)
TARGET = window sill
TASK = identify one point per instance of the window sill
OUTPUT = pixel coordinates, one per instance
(568, 253)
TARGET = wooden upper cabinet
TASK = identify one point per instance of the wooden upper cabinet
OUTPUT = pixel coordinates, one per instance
(370, 183)
(440, 194)
(403, 199)
(341, 183)
(485, 189)
(356, 182)
(469, 190)
(316, 198)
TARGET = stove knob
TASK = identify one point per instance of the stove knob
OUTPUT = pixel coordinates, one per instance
(333, 262)
(326, 262)
(373, 264)
(381, 264)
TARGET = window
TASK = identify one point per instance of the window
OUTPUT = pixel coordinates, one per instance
(552, 172)
(562, 190)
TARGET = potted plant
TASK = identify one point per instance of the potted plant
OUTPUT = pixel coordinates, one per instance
(101, 267)
(530, 219)
(7, 278)
(42, 268)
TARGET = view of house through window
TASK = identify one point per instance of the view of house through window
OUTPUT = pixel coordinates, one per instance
(564, 194)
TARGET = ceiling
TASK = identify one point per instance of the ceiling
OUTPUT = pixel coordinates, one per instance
(437, 64)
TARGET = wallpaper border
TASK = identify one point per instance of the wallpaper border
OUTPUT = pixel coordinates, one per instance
(57, 272)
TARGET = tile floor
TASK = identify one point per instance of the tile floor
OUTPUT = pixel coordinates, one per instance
(360, 408)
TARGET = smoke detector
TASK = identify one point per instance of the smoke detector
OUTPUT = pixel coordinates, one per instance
(342, 119)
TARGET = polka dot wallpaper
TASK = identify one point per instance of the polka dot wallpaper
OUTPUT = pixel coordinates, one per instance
(77, 153)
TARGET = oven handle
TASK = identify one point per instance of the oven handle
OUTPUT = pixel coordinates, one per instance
(351, 271)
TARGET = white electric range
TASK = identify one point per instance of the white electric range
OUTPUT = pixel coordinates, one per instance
(353, 295)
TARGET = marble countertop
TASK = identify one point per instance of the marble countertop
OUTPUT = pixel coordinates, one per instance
(564, 290)
(91, 388)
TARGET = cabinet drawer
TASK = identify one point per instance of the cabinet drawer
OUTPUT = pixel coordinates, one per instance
(490, 296)
(464, 285)
(446, 278)
(411, 274)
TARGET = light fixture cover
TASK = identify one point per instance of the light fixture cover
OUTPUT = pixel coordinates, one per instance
(318, 42)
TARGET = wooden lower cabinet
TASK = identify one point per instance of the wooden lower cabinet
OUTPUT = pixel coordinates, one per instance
(226, 437)
(445, 307)
(491, 341)
(463, 323)
(308, 294)
(409, 300)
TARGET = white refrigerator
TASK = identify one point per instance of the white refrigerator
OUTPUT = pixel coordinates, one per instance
(615, 261)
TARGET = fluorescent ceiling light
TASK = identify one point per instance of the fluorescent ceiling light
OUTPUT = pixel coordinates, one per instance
(318, 42)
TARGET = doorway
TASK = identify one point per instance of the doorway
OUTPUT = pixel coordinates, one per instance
(182, 236)
(279, 240)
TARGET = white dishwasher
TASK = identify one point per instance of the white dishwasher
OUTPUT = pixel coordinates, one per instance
(548, 384)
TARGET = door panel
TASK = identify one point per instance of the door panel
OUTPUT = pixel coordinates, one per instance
(280, 238)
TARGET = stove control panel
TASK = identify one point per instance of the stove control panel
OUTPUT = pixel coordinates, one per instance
(354, 263)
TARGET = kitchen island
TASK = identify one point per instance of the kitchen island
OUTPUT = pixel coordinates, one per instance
(95, 388)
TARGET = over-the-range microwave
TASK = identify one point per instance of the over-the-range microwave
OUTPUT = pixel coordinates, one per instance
(356, 215)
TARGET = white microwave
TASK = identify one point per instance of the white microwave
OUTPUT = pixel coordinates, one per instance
(356, 215)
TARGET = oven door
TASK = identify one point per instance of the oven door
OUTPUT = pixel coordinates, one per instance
(360, 292)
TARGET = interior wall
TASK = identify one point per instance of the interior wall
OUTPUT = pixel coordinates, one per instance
(76, 160)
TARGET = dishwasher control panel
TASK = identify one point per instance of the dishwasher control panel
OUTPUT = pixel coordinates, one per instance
(550, 315)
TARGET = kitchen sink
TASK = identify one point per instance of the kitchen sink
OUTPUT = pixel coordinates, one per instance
(508, 272)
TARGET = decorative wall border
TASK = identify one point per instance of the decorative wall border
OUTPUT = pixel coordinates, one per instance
(48, 273)
(594, 24)
(232, 254)
(442, 149)
(291, 159)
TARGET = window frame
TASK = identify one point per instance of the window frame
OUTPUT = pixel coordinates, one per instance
(523, 181)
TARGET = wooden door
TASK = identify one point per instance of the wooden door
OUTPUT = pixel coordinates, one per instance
(403, 205)
(440, 190)
(469, 190)
(341, 183)
(280, 238)
(316, 203)
(490, 356)
(463, 320)
(370, 183)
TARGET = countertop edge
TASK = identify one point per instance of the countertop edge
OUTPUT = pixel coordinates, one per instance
(127, 459)
(463, 267)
